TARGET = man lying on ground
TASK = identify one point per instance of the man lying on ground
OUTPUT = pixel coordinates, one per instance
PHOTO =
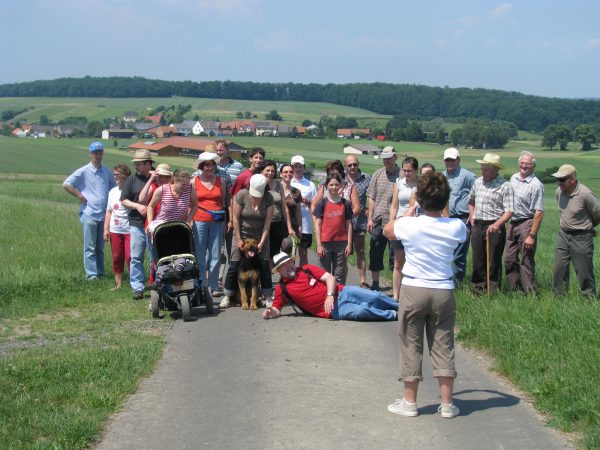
(317, 293)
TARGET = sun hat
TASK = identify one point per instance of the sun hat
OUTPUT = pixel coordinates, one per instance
(206, 156)
(451, 153)
(142, 155)
(566, 170)
(281, 258)
(258, 183)
(164, 169)
(96, 147)
(491, 159)
(298, 159)
(387, 152)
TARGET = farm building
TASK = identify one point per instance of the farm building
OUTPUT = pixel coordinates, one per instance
(184, 146)
(354, 133)
(117, 133)
(361, 149)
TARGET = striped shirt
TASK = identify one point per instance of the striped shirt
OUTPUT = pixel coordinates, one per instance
(174, 208)
(491, 199)
(529, 196)
(233, 168)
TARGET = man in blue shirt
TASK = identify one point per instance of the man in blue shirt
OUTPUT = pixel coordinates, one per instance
(90, 184)
(460, 181)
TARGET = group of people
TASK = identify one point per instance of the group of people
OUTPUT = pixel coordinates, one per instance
(225, 203)
(426, 217)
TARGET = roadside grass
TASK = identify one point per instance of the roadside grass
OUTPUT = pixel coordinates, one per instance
(70, 351)
(53, 322)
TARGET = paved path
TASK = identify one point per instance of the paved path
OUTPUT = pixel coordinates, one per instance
(234, 380)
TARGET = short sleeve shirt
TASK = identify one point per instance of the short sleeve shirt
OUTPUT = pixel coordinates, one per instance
(529, 196)
(576, 209)
(252, 220)
(94, 184)
(381, 189)
(492, 198)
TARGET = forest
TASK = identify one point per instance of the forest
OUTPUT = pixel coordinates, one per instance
(528, 112)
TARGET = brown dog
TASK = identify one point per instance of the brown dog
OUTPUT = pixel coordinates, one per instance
(249, 274)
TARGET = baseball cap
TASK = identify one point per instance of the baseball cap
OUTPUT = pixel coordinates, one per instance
(258, 183)
(96, 147)
(451, 153)
(566, 170)
(298, 159)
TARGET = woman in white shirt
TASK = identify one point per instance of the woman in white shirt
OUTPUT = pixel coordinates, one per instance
(116, 225)
(403, 190)
(427, 302)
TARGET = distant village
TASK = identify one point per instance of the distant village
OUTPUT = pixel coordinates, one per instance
(190, 137)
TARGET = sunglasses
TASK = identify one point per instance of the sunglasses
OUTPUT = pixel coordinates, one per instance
(351, 165)
(562, 180)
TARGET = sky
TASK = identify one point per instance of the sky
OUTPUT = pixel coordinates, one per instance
(538, 47)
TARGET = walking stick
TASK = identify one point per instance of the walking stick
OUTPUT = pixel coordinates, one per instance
(487, 264)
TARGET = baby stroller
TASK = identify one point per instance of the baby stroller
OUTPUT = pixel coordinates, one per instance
(177, 283)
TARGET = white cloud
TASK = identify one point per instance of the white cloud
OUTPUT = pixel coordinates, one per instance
(501, 10)
(592, 43)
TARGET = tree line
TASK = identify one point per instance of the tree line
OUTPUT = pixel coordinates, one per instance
(528, 112)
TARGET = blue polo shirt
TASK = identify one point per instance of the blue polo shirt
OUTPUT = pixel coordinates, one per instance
(460, 185)
(94, 184)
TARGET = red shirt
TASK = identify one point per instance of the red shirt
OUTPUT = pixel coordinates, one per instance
(308, 292)
(211, 199)
(334, 215)
(241, 182)
(153, 187)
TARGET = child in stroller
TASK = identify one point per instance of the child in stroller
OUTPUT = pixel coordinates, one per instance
(177, 284)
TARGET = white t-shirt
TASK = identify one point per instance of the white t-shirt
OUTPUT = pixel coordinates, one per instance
(119, 223)
(429, 244)
(404, 194)
(308, 191)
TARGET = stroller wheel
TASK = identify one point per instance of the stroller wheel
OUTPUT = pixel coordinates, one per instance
(154, 304)
(186, 309)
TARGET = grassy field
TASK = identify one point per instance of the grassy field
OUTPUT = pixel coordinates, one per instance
(70, 352)
(208, 109)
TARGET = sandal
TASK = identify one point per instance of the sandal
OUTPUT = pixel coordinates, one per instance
(365, 285)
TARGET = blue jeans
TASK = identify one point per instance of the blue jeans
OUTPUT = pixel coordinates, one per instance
(460, 256)
(354, 303)
(138, 243)
(93, 246)
(208, 238)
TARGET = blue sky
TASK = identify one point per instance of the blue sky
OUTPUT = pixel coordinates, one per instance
(548, 48)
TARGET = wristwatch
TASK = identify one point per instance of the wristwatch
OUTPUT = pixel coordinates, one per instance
(330, 294)
(532, 235)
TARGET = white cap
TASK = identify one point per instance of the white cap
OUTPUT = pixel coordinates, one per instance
(258, 183)
(387, 152)
(451, 153)
(298, 159)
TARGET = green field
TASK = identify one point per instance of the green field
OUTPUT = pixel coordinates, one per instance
(70, 352)
(208, 109)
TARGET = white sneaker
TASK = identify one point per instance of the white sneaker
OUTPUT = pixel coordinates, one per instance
(404, 408)
(224, 303)
(448, 411)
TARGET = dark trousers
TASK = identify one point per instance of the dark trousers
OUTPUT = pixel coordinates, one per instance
(376, 251)
(479, 255)
(577, 248)
(519, 262)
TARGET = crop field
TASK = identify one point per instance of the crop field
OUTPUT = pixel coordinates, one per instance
(70, 351)
(208, 109)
